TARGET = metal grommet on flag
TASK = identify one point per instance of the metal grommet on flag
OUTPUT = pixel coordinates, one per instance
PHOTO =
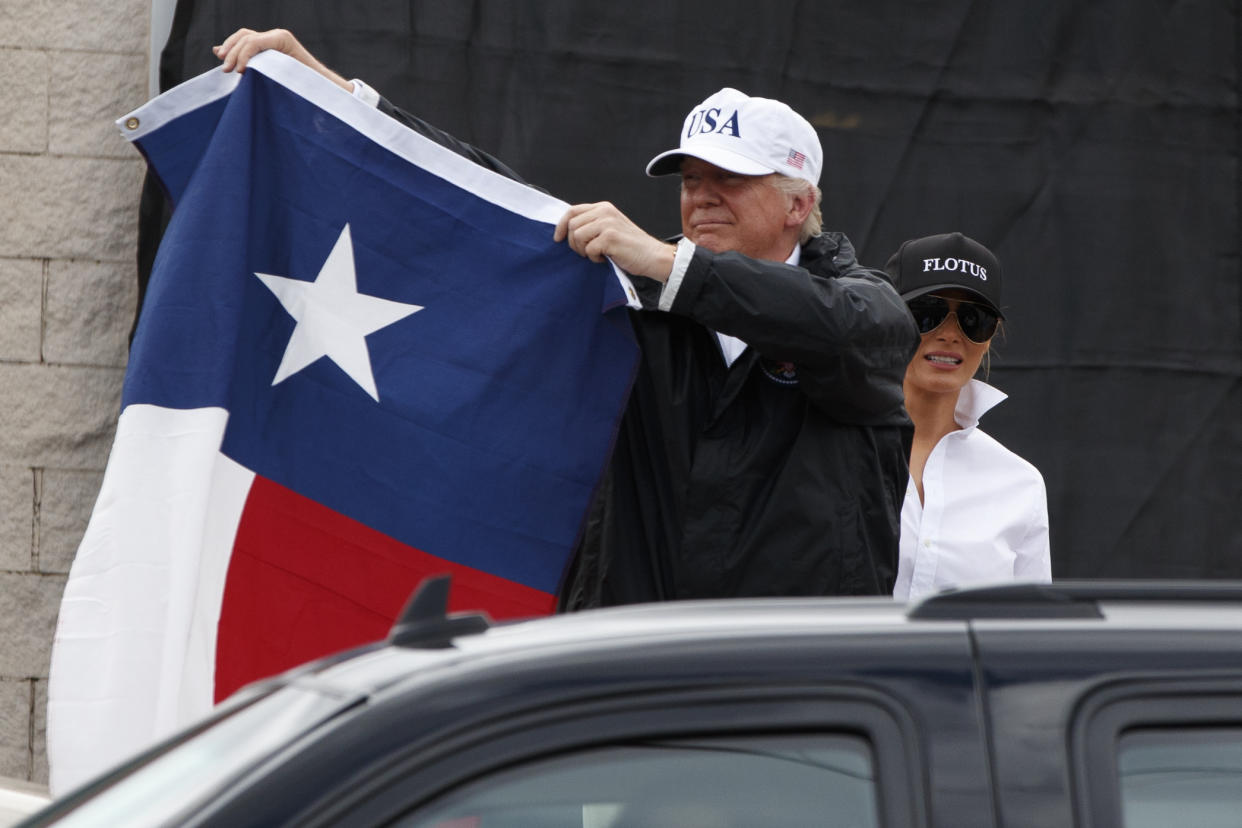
(131, 123)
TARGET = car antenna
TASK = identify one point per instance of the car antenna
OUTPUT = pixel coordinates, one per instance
(425, 622)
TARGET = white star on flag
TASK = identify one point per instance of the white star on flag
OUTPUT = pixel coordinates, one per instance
(333, 318)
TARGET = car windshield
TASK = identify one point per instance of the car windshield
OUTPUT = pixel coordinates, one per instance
(159, 786)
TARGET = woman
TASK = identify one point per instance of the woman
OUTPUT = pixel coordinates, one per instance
(974, 511)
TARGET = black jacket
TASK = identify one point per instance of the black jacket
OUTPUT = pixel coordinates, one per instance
(782, 474)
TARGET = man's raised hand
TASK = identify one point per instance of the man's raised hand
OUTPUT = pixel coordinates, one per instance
(600, 231)
(239, 47)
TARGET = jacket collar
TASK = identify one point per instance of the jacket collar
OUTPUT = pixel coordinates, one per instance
(832, 245)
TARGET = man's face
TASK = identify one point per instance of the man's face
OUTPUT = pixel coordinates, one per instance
(723, 211)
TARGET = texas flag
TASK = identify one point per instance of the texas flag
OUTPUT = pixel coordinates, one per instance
(362, 360)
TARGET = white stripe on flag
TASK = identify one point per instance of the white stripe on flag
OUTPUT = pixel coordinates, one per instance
(160, 522)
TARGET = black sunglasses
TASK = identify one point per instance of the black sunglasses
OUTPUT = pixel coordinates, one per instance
(977, 321)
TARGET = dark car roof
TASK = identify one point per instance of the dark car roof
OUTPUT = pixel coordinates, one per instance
(599, 635)
(630, 648)
(592, 634)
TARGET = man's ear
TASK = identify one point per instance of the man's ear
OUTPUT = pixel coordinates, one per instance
(800, 207)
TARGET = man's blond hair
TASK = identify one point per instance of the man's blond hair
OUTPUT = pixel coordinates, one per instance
(789, 185)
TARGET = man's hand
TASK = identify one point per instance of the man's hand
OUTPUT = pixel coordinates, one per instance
(239, 47)
(601, 230)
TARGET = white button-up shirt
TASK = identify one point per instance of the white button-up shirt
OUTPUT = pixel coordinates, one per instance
(984, 515)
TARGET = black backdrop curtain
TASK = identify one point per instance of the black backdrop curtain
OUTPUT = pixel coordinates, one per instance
(1093, 146)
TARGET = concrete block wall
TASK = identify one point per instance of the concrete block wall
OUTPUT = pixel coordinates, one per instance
(69, 190)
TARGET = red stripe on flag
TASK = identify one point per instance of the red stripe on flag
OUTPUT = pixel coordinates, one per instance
(305, 581)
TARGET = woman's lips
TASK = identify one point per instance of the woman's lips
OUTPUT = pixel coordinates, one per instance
(944, 360)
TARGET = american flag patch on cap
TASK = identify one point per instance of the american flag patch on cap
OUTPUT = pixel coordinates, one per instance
(795, 159)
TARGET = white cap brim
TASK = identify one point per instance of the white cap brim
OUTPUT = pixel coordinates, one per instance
(668, 163)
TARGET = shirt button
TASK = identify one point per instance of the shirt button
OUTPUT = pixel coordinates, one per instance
(927, 543)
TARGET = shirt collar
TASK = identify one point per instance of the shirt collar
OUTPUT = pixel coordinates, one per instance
(976, 399)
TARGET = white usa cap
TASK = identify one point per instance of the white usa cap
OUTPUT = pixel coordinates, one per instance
(750, 136)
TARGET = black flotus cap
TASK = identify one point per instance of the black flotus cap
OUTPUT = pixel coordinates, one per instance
(950, 260)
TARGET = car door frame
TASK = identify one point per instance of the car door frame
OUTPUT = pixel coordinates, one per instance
(472, 754)
(1138, 701)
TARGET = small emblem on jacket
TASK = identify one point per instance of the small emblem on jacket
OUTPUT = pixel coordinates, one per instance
(783, 373)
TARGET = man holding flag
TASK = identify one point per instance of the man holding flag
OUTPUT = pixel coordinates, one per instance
(763, 450)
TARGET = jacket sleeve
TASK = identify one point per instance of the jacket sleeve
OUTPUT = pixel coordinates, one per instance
(446, 140)
(850, 336)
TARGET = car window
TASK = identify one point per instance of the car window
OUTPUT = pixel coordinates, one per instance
(736, 782)
(1181, 776)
